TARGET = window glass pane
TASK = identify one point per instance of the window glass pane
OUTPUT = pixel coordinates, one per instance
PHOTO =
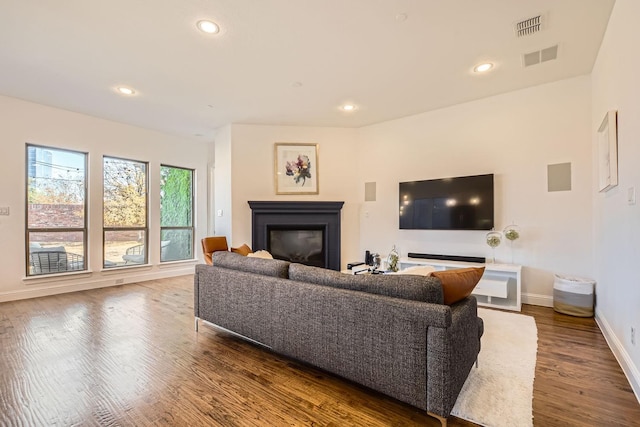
(56, 252)
(177, 244)
(125, 193)
(55, 188)
(176, 198)
(56, 210)
(126, 247)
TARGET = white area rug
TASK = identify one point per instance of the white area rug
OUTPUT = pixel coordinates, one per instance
(500, 391)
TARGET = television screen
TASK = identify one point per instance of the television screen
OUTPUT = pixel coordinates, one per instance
(462, 203)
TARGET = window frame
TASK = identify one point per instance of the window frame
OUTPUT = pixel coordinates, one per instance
(84, 229)
(146, 216)
(192, 227)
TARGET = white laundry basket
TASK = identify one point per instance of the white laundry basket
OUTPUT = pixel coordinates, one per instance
(573, 295)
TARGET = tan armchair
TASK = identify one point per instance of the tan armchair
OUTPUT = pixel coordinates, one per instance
(213, 244)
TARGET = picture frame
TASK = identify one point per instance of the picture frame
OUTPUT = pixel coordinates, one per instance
(296, 168)
(608, 152)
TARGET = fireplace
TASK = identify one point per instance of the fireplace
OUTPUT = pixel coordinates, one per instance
(304, 232)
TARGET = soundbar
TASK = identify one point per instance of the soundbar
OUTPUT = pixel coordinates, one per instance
(448, 257)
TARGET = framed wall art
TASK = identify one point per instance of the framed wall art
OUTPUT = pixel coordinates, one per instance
(608, 152)
(296, 168)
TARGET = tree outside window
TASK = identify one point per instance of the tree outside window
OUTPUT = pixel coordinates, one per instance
(125, 212)
(176, 213)
(56, 231)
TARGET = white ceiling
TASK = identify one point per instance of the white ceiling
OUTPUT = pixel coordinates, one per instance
(71, 54)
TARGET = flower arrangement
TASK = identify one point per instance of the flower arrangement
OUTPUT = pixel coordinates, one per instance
(392, 260)
(511, 233)
(299, 169)
(493, 240)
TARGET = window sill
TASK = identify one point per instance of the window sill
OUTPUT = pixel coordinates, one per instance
(122, 268)
(168, 264)
(43, 278)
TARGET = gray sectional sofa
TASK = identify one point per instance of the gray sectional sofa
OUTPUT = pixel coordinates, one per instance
(391, 333)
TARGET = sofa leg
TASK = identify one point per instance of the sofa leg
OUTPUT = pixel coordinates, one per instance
(443, 421)
(196, 324)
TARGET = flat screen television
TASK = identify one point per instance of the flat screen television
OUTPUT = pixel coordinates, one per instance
(461, 203)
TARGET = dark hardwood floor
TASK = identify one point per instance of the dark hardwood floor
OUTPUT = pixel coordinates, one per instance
(128, 355)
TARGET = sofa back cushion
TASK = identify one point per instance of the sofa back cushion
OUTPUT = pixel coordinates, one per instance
(415, 288)
(267, 267)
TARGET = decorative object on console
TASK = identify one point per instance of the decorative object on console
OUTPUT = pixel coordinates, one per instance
(511, 232)
(296, 168)
(392, 259)
(494, 238)
(608, 152)
(375, 261)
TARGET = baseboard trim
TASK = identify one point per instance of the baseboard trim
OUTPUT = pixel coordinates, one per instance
(537, 299)
(91, 282)
(621, 355)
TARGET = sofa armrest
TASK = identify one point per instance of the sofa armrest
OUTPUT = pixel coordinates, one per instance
(451, 353)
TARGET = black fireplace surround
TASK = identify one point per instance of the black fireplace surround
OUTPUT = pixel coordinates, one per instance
(319, 222)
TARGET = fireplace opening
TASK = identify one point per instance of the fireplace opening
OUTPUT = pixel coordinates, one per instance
(303, 232)
(305, 245)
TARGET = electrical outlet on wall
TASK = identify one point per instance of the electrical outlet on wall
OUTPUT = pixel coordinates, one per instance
(633, 336)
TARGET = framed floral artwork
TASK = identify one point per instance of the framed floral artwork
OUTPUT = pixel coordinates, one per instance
(608, 152)
(296, 168)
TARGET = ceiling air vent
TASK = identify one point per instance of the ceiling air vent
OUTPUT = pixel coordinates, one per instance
(544, 55)
(528, 26)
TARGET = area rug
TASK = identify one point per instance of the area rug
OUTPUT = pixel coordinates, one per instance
(500, 391)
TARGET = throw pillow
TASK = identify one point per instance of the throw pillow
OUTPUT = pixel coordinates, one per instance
(421, 270)
(260, 254)
(242, 250)
(459, 283)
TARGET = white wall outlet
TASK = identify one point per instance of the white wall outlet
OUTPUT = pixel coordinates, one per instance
(4, 210)
(633, 336)
(220, 212)
(631, 195)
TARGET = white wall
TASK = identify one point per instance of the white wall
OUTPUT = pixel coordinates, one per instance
(252, 176)
(616, 223)
(222, 183)
(24, 122)
(514, 136)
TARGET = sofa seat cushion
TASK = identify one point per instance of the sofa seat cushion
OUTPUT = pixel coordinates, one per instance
(409, 287)
(267, 267)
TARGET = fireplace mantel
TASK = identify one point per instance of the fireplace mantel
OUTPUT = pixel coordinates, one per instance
(275, 214)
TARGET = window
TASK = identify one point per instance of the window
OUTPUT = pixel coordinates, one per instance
(56, 210)
(125, 212)
(176, 213)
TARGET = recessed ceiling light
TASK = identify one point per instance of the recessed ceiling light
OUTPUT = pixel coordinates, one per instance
(348, 107)
(481, 68)
(209, 27)
(123, 90)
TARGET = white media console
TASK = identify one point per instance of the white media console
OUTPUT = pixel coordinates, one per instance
(499, 287)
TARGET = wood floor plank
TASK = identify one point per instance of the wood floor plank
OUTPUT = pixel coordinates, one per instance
(128, 355)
